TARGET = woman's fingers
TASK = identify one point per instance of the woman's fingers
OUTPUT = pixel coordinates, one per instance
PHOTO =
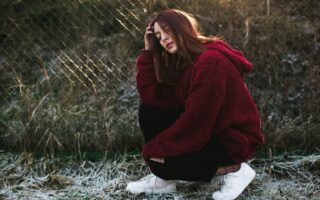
(160, 160)
(149, 28)
(149, 32)
(147, 37)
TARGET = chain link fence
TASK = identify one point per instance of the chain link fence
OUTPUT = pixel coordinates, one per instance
(80, 41)
(67, 68)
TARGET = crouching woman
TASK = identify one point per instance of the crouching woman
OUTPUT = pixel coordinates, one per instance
(196, 113)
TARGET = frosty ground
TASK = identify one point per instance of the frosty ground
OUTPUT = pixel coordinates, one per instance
(23, 176)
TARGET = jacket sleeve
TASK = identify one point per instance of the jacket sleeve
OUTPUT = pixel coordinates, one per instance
(193, 129)
(150, 90)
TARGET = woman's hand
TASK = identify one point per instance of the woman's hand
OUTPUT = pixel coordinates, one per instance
(160, 160)
(148, 37)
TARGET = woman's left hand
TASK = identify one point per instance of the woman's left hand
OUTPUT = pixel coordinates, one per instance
(160, 160)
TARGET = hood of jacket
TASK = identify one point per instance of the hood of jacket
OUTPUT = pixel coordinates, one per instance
(235, 56)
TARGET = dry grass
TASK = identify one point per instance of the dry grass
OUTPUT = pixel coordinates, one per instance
(25, 177)
(70, 87)
(67, 70)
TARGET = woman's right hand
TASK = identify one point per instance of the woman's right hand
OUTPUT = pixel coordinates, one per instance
(148, 37)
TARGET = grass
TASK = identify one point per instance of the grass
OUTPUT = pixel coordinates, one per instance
(23, 176)
(68, 70)
(67, 84)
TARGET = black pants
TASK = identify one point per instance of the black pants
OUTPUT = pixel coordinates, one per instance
(196, 166)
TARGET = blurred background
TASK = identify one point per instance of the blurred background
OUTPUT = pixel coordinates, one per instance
(67, 69)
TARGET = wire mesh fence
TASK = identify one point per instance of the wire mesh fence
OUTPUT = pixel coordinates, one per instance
(62, 59)
(70, 39)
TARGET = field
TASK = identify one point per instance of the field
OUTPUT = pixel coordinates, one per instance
(25, 177)
(67, 84)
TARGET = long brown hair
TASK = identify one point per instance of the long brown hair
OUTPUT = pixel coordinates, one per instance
(184, 29)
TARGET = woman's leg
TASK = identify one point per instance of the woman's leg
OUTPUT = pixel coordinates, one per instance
(153, 120)
(197, 166)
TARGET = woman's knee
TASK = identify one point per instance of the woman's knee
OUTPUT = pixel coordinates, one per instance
(153, 120)
(153, 113)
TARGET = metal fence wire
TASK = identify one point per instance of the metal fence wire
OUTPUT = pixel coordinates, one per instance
(92, 45)
(74, 39)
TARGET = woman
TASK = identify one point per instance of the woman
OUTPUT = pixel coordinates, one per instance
(196, 113)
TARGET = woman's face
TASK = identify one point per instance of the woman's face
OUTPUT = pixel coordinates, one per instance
(165, 38)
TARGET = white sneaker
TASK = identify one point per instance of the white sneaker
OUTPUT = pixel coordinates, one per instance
(152, 184)
(235, 183)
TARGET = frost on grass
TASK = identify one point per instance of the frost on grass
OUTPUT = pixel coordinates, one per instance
(25, 177)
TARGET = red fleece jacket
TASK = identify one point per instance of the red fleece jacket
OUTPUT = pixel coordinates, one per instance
(215, 100)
